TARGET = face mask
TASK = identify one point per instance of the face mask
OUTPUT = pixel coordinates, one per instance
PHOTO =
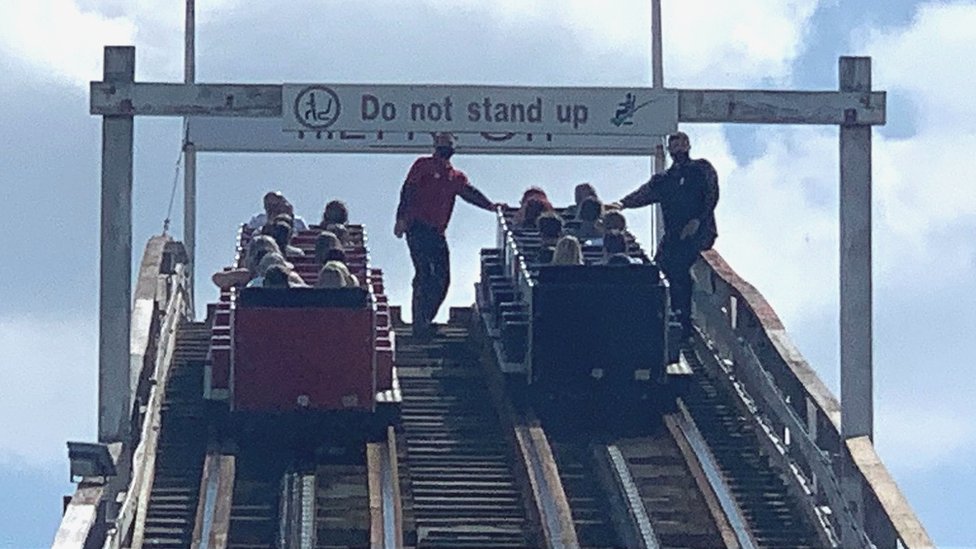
(444, 152)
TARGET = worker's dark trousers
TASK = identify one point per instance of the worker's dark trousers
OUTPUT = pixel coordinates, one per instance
(675, 257)
(432, 273)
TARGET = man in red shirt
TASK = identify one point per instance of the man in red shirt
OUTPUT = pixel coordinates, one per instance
(426, 204)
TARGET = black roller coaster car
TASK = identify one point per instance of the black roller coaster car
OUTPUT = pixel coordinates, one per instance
(594, 334)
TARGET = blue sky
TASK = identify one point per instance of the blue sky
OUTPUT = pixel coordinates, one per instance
(777, 218)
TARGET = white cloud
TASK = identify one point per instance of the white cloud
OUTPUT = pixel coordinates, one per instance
(65, 38)
(57, 36)
(48, 387)
(928, 59)
(705, 42)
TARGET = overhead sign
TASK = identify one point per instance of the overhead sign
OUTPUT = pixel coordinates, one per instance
(477, 109)
(221, 134)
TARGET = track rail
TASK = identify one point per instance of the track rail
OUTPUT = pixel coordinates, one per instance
(170, 515)
(769, 511)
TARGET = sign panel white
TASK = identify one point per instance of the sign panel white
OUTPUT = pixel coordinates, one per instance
(221, 134)
(476, 109)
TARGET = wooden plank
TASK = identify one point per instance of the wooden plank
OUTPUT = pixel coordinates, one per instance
(395, 471)
(893, 503)
(79, 518)
(209, 469)
(220, 531)
(781, 107)
(548, 494)
(166, 99)
(694, 106)
(375, 467)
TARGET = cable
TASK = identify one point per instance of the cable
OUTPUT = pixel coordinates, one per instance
(176, 180)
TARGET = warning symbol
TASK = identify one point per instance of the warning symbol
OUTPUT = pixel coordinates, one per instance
(317, 107)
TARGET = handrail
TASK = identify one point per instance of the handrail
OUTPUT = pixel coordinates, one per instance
(799, 408)
(159, 306)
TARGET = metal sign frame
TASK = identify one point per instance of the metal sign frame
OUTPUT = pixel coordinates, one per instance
(855, 108)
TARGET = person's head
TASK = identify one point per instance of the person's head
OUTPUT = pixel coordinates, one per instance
(582, 192)
(590, 210)
(333, 275)
(444, 145)
(284, 217)
(614, 242)
(324, 244)
(280, 231)
(276, 277)
(335, 212)
(260, 246)
(273, 202)
(614, 221)
(550, 226)
(272, 259)
(531, 211)
(534, 193)
(679, 145)
(568, 252)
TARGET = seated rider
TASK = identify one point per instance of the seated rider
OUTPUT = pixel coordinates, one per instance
(589, 219)
(615, 248)
(340, 231)
(529, 214)
(260, 246)
(550, 228)
(336, 212)
(274, 204)
(336, 275)
(281, 232)
(568, 251)
(580, 193)
(614, 221)
(276, 277)
(328, 247)
(534, 203)
(275, 259)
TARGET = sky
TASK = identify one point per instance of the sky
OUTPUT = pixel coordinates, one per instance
(778, 216)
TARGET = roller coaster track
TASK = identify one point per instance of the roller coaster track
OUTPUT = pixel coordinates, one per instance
(468, 468)
(459, 474)
(170, 518)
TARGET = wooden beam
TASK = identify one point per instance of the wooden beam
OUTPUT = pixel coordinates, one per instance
(115, 267)
(890, 499)
(161, 99)
(781, 107)
(80, 518)
(694, 106)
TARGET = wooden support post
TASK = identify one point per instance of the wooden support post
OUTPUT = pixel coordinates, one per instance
(855, 259)
(115, 290)
(857, 407)
(190, 159)
(657, 48)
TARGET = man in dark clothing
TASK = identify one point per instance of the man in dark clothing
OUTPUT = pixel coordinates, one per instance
(688, 194)
(426, 204)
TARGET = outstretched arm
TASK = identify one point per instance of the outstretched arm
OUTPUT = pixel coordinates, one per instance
(648, 193)
(473, 196)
